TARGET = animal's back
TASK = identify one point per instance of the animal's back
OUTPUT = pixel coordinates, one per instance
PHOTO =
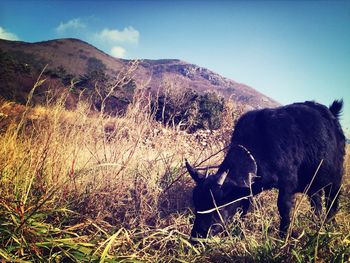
(296, 136)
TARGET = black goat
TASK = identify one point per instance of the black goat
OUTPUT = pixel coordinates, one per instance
(275, 148)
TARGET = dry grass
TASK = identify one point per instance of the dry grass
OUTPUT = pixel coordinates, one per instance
(81, 187)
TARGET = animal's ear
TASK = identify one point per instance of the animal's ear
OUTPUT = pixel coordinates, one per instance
(196, 176)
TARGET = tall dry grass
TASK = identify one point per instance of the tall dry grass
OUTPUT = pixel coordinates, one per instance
(77, 186)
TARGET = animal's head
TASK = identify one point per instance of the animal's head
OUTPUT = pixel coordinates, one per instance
(215, 190)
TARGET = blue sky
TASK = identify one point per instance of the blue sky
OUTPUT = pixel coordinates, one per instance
(289, 50)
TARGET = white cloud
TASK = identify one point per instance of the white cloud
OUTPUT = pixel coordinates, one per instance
(111, 40)
(127, 35)
(74, 23)
(118, 52)
(7, 35)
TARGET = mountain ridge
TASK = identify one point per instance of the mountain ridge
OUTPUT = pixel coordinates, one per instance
(73, 56)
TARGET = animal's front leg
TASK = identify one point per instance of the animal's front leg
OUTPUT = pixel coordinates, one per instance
(284, 203)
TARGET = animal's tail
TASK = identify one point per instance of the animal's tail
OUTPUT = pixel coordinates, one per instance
(336, 108)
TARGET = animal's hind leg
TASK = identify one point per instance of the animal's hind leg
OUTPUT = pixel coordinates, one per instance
(284, 203)
(332, 193)
(316, 202)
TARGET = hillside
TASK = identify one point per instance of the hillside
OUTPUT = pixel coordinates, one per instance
(73, 56)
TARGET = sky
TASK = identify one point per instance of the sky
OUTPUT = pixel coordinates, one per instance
(291, 51)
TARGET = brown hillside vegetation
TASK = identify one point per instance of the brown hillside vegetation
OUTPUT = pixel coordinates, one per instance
(77, 186)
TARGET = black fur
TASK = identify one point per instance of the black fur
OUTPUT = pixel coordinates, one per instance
(288, 144)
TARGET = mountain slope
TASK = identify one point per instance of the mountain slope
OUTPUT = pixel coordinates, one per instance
(73, 56)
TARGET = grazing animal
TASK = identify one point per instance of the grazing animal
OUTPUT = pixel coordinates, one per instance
(274, 148)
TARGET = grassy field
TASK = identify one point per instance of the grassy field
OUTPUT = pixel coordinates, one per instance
(83, 187)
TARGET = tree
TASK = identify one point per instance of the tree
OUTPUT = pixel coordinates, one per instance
(95, 74)
(211, 107)
(185, 109)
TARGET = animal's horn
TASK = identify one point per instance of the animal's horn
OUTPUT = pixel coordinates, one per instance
(221, 178)
(197, 176)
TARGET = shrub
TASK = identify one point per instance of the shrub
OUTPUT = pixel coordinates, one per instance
(95, 74)
(185, 109)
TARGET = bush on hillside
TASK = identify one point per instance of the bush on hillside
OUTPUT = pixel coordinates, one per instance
(189, 110)
(95, 74)
(61, 74)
